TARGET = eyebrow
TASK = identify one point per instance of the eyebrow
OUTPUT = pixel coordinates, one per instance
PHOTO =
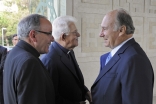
(104, 27)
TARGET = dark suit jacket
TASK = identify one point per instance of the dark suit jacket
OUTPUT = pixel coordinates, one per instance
(126, 79)
(3, 53)
(26, 81)
(69, 84)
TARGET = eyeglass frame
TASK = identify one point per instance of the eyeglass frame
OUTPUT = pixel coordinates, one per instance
(75, 33)
(47, 33)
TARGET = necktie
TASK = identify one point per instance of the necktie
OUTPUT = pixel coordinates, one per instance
(108, 58)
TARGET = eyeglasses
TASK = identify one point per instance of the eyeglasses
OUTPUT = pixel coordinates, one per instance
(75, 33)
(47, 33)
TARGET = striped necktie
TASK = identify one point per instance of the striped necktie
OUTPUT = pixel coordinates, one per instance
(108, 58)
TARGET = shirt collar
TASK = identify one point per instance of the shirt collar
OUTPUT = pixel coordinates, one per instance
(66, 51)
(118, 47)
(27, 47)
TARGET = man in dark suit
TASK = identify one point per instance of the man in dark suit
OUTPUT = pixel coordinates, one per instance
(3, 53)
(126, 74)
(26, 80)
(62, 65)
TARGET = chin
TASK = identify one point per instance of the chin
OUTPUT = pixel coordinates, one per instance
(47, 51)
(76, 44)
(43, 52)
(107, 45)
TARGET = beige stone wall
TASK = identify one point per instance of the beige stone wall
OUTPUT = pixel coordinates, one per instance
(90, 13)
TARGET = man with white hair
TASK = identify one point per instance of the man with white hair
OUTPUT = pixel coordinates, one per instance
(62, 65)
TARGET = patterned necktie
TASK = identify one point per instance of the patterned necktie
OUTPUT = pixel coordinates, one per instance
(108, 58)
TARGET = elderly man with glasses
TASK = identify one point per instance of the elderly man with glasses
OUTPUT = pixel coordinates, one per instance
(26, 81)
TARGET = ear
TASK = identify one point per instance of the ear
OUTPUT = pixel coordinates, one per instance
(63, 36)
(32, 36)
(122, 30)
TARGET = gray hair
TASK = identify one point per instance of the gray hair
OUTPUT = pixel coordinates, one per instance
(124, 18)
(30, 22)
(61, 25)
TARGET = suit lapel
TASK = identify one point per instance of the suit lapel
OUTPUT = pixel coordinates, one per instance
(108, 66)
(79, 73)
(65, 60)
(114, 59)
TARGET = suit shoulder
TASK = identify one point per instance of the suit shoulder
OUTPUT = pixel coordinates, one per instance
(104, 55)
(3, 48)
(19, 56)
(50, 55)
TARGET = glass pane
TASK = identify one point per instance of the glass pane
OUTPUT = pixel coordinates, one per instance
(44, 7)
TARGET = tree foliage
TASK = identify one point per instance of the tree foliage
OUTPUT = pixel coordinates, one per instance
(9, 20)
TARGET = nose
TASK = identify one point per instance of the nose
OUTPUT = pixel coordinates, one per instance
(101, 34)
(78, 34)
(51, 38)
